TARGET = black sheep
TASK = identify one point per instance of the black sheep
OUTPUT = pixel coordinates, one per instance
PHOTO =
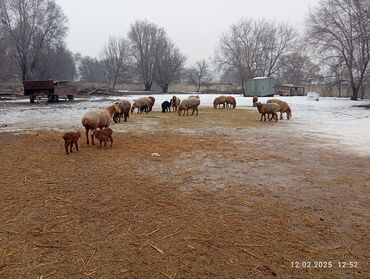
(166, 106)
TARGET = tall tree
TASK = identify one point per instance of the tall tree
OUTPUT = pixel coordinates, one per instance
(199, 74)
(297, 68)
(32, 25)
(8, 66)
(169, 62)
(341, 28)
(143, 40)
(57, 63)
(116, 59)
(253, 48)
(90, 69)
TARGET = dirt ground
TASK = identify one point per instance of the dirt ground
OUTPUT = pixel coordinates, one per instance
(220, 195)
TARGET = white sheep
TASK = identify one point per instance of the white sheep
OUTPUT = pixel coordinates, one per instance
(284, 108)
(98, 118)
(175, 102)
(143, 103)
(271, 108)
(230, 102)
(189, 103)
(218, 101)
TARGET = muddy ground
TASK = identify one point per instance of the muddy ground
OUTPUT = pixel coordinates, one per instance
(224, 197)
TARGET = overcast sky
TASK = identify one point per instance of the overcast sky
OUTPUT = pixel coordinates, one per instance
(194, 25)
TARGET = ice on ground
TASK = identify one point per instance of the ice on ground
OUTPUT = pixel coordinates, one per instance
(333, 118)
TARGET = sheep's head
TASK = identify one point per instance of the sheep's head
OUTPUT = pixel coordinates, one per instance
(179, 109)
(289, 114)
(116, 108)
(133, 106)
(109, 130)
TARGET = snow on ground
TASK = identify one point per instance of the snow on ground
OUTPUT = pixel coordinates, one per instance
(338, 120)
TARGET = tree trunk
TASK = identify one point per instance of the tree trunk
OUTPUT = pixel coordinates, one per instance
(164, 88)
(363, 91)
(354, 94)
(340, 90)
(243, 87)
(148, 85)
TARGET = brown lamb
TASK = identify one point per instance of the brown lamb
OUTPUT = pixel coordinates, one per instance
(103, 136)
(71, 138)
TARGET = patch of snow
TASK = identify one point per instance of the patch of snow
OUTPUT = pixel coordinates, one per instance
(332, 118)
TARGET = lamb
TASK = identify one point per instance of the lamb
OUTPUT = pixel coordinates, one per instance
(166, 106)
(284, 108)
(271, 108)
(71, 138)
(143, 102)
(104, 135)
(230, 101)
(125, 107)
(98, 118)
(218, 101)
(255, 100)
(175, 102)
(189, 103)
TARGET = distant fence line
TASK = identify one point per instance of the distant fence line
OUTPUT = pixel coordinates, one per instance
(325, 90)
(175, 87)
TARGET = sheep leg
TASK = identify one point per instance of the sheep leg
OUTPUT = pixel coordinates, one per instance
(281, 116)
(87, 135)
(196, 110)
(76, 143)
(111, 141)
(192, 112)
(66, 147)
(261, 116)
(71, 146)
(92, 138)
(276, 117)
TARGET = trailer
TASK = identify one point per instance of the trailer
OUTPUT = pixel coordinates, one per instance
(260, 86)
(50, 90)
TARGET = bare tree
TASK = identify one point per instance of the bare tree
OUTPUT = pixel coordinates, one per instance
(143, 40)
(278, 40)
(90, 69)
(32, 25)
(199, 74)
(116, 59)
(342, 28)
(8, 66)
(169, 62)
(57, 63)
(297, 67)
(336, 72)
(253, 48)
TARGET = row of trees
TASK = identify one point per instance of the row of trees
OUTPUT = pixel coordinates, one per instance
(334, 47)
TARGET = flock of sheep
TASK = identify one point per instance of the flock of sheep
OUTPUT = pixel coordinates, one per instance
(102, 118)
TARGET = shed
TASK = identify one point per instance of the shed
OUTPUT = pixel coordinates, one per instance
(260, 86)
(291, 90)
